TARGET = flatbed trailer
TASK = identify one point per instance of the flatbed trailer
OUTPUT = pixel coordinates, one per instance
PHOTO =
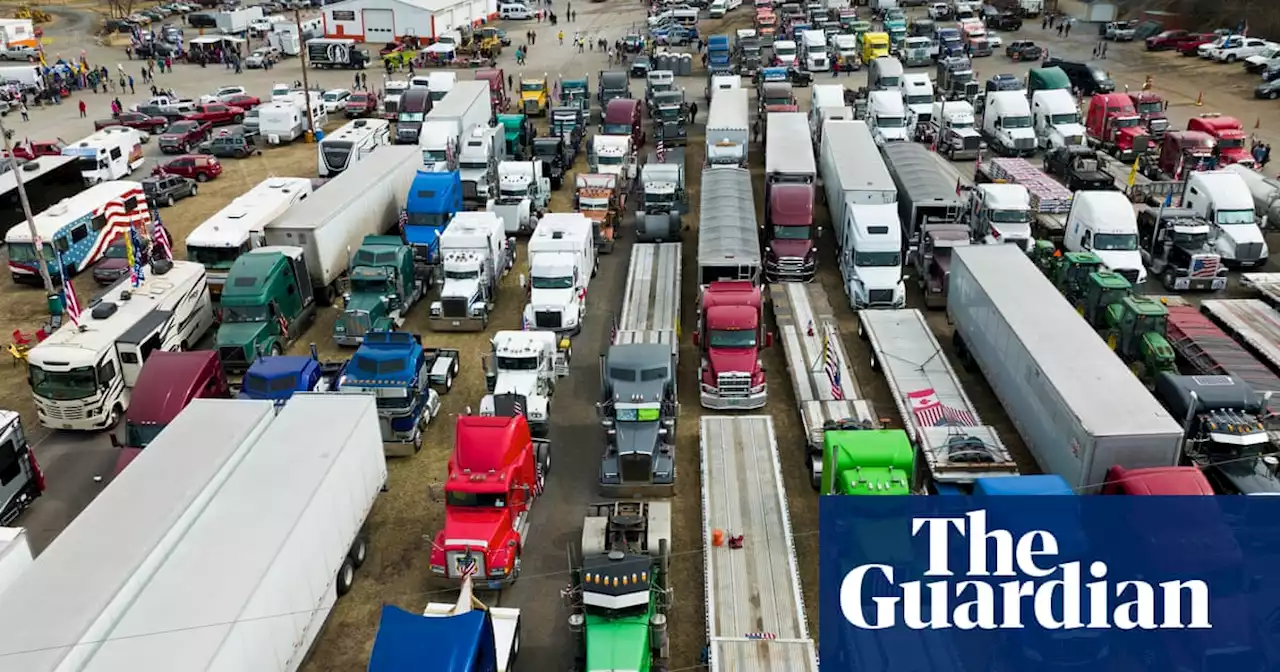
(755, 612)
(958, 448)
(806, 325)
(1267, 285)
(1253, 323)
(651, 300)
(1207, 350)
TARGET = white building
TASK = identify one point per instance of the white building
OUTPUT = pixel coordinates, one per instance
(379, 21)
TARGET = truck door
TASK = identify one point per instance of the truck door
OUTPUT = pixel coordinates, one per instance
(302, 278)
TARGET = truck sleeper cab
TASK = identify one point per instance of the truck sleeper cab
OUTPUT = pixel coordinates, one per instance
(169, 381)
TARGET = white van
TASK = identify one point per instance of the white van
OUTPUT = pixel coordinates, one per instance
(515, 11)
(718, 8)
(1103, 222)
(107, 155)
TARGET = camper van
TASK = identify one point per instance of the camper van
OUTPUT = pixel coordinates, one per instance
(351, 143)
(285, 120)
(107, 155)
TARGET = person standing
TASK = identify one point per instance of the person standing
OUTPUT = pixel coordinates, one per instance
(693, 112)
(1067, 30)
(83, 110)
(22, 109)
(1059, 30)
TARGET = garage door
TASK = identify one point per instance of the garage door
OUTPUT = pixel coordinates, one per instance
(379, 25)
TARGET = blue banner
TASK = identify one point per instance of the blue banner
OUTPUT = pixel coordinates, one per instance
(1023, 584)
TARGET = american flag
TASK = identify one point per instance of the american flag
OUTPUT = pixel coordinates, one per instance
(613, 332)
(517, 407)
(930, 412)
(284, 326)
(660, 151)
(831, 363)
(160, 237)
(403, 221)
(1205, 266)
(466, 566)
(72, 304)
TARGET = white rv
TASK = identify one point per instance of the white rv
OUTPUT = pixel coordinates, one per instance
(351, 143)
(286, 120)
(82, 375)
(562, 261)
(107, 155)
(238, 227)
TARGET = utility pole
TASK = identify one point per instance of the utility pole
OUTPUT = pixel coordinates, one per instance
(306, 88)
(36, 243)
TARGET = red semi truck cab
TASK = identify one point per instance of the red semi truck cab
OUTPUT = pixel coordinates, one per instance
(1114, 124)
(497, 88)
(1229, 133)
(1151, 109)
(496, 472)
(730, 336)
(790, 246)
(1182, 151)
(167, 383)
(1156, 481)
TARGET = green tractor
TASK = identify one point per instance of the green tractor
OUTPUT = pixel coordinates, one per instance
(1103, 289)
(867, 462)
(619, 595)
(1068, 271)
(1135, 330)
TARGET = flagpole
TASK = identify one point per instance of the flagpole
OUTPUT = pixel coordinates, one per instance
(36, 243)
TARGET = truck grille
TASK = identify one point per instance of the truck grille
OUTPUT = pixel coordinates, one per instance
(530, 106)
(973, 142)
(880, 297)
(546, 319)
(790, 264)
(354, 324)
(453, 557)
(734, 384)
(1130, 274)
(64, 412)
(635, 468)
(1159, 125)
(453, 307)
(231, 354)
(1249, 251)
(1025, 143)
(391, 106)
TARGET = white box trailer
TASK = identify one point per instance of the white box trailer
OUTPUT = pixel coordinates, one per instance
(1075, 403)
(77, 590)
(788, 158)
(853, 171)
(250, 584)
(651, 299)
(937, 415)
(364, 200)
(15, 555)
(728, 128)
(807, 327)
(464, 107)
(756, 588)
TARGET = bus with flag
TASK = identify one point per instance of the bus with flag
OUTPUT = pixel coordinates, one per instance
(940, 419)
(827, 394)
(77, 231)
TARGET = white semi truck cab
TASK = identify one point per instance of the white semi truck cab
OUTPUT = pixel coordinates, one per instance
(1006, 121)
(1224, 198)
(1000, 213)
(524, 187)
(562, 261)
(1056, 118)
(522, 366)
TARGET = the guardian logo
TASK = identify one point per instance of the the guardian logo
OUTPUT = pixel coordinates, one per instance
(1015, 582)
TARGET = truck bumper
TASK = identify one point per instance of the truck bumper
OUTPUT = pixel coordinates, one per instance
(643, 490)
(1186, 284)
(962, 154)
(458, 323)
(715, 402)
(398, 447)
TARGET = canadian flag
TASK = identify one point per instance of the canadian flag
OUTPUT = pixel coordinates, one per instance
(930, 412)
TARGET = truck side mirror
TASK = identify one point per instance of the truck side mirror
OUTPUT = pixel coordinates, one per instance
(697, 339)
(768, 339)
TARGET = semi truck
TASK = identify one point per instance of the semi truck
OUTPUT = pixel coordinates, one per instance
(939, 418)
(364, 200)
(663, 201)
(926, 190)
(728, 128)
(1009, 319)
(463, 108)
(432, 201)
(310, 487)
(382, 285)
(562, 261)
(476, 254)
(759, 591)
(826, 392)
(791, 175)
(731, 330)
(520, 374)
(394, 368)
(638, 411)
(85, 580)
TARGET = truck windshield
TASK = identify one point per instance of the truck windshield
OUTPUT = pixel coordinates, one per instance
(660, 197)
(562, 282)
(461, 275)
(473, 165)
(1069, 118)
(608, 160)
(1152, 107)
(87, 164)
(1122, 242)
(78, 383)
(233, 314)
(489, 500)
(793, 232)
(672, 113)
(732, 338)
(140, 436)
(598, 204)
(889, 122)
(960, 123)
(411, 117)
(371, 285)
(877, 259)
(1227, 217)
(1010, 216)
(394, 91)
(924, 99)
(214, 258)
(438, 219)
(434, 155)
(617, 129)
(514, 192)
(534, 87)
(517, 363)
(1230, 143)
(1015, 122)
(1126, 122)
(784, 50)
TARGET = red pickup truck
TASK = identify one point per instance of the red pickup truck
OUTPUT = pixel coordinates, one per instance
(182, 135)
(216, 114)
(30, 150)
(138, 120)
(1188, 45)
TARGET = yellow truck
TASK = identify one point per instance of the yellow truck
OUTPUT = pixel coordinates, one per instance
(874, 45)
(534, 95)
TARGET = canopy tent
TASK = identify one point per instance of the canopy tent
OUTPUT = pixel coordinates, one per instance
(215, 39)
(407, 642)
(440, 48)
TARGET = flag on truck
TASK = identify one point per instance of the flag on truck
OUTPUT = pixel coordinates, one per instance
(403, 221)
(70, 303)
(1133, 172)
(161, 237)
(930, 412)
(660, 151)
(832, 364)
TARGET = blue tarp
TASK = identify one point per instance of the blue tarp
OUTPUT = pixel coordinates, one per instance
(1046, 484)
(409, 642)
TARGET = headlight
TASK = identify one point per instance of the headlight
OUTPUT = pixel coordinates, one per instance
(338, 327)
(436, 308)
(537, 415)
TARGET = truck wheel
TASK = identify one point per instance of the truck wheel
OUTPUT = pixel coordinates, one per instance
(862, 332)
(1168, 279)
(448, 381)
(239, 118)
(815, 481)
(194, 190)
(359, 551)
(515, 646)
(113, 418)
(875, 363)
(417, 442)
(346, 577)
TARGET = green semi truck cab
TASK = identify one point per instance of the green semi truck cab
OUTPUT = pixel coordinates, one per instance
(1136, 328)
(267, 303)
(576, 93)
(867, 462)
(619, 594)
(517, 133)
(383, 287)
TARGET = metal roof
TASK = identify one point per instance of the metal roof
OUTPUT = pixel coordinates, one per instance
(918, 174)
(75, 581)
(1092, 381)
(727, 230)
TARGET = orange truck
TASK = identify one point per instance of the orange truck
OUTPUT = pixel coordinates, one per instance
(597, 196)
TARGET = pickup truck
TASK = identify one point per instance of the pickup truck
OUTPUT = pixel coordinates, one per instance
(216, 114)
(182, 135)
(136, 120)
(17, 53)
(30, 150)
(1120, 31)
(171, 104)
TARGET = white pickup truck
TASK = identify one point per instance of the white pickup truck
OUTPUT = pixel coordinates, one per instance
(17, 53)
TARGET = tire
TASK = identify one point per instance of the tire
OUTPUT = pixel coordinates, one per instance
(239, 118)
(169, 201)
(275, 350)
(515, 646)
(359, 551)
(1231, 58)
(1273, 95)
(815, 481)
(875, 363)
(346, 577)
(448, 382)
(417, 442)
(201, 177)
(194, 190)
(1167, 278)
(113, 418)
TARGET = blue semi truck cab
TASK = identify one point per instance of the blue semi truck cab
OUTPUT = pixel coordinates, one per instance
(277, 378)
(433, 200)
(719, 55)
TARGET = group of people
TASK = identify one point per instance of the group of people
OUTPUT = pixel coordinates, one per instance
(1261, 152)
(1064, 24)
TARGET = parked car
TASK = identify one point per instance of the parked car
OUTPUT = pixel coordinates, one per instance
(251, 121)
(1190, 45)
(361, 104)
(229, 145)
(114, 263)
(1271, 73)
(1260, 62)
(1166, 40)
(335, 100)
(29, 150)
(1269, 90)
(1024, 50)
(243, 101)
(135, 120)
(166, 190)
(194, 166)
(153, 48)
(182, 135)
(218, 114)
(261, 57)
(1238, 47)
(17, 53)
(1120, 31)
(221, 95)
